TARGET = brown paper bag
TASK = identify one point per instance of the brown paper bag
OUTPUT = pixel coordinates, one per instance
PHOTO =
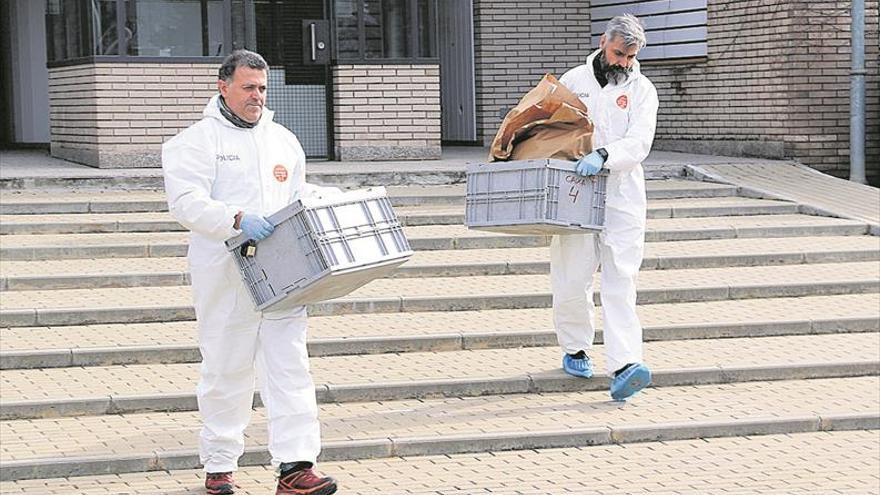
(549, 122)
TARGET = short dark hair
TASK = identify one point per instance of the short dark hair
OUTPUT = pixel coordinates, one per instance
(241, 58)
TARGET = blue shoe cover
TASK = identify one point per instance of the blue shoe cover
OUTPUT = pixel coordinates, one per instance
(630, 381)
(574, 366)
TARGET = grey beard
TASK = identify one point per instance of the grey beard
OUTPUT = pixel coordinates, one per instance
(615, 74)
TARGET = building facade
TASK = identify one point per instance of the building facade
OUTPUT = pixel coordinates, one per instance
(395, 79)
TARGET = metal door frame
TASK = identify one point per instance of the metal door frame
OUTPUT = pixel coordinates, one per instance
(251, 42)
(472, 125)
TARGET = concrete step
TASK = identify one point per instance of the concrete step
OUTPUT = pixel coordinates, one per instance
(28, 394)
(115, 305)
(137, 272)
(175, 342)
(87, 445)
(43, 203)
(819, 462)
(433, 237)
(340, 175)
(35, 202)
(123, 182)
(83, 223)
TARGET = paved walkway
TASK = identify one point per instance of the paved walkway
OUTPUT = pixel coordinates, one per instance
(803, 314)
(38, 163)
(567, 414)
(804, 463)
(445, 235)
(487, 292)
(657, 209)
(776, 179)
(371, 370)
(824, 193)
(496, 261)
(756, 323)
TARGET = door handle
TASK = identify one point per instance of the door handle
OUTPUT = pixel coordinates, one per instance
(313, 42)
(314, 48)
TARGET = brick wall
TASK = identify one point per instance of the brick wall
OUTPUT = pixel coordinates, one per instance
(113, 115)
(820, 84)
(515, 44)
(386, 112)
(775, 83)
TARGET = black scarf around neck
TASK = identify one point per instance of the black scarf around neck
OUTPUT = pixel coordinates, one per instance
(230, 115)
(598, 71)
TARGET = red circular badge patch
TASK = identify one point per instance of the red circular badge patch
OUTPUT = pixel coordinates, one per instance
(280, 173)
(622, 101)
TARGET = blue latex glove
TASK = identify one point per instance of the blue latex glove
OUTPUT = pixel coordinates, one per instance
(255, 227)
(590, 164)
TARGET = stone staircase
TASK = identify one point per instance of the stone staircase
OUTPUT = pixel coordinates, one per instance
(759, 320)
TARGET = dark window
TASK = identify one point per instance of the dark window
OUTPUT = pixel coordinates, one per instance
(140, 28)
(426, 31)
(377, 30)
(280, 37)
(175, 28)
(104, 27)
(348, 42)
(243, 31)
(365, 30)
(68, 29)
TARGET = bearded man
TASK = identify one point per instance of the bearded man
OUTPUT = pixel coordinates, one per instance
(623, 106)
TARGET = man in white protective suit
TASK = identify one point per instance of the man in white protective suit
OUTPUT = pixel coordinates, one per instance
(623, 106)
(223, 175)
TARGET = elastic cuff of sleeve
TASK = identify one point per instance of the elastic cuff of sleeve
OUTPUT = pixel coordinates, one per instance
(231, 212)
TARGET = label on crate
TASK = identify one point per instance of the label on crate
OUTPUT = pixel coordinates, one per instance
(576, 183)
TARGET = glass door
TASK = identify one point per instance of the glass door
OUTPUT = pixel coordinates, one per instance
(294, 37)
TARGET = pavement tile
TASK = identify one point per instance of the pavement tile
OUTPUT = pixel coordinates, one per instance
(839, 462)
(536, 413)
(800, 183)
(151, 379)
(86, 218)
(731, 312)
(665, 250)
(659, 207)
(73, 196)
(723, 279)
(430, 231)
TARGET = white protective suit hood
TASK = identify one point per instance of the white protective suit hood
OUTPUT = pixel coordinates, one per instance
(625, 114)
(214, 169)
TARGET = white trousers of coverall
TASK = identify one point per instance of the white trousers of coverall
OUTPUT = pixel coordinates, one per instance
(573, 261)
(233, 337)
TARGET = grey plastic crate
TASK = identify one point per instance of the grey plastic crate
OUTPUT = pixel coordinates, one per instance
(323, 248)
(534, 197)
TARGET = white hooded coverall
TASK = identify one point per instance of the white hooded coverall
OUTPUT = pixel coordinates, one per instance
(212, 171)
(625, 117)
